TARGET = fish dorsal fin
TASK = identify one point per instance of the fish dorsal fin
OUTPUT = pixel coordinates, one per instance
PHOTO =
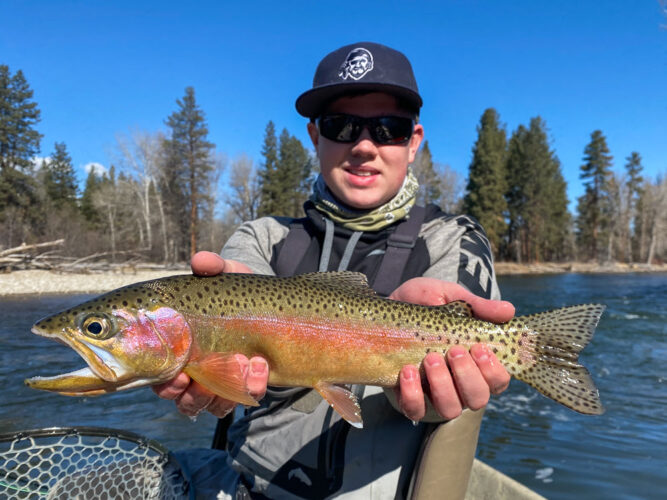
(458, 308)
(340, 280)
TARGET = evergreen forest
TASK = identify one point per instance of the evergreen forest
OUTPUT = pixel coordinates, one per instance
(160, 201)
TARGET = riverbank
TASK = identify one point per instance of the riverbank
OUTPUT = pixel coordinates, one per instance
(504, 268)
(50, 282)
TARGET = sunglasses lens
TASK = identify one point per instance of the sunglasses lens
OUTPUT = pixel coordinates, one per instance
(391, 129)
(340, 128)
(383, 130)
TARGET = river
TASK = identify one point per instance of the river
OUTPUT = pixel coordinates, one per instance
(558, 453)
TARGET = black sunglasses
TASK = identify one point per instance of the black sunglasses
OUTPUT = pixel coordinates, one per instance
(383, 130)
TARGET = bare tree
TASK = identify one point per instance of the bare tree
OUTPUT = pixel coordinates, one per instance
(209, 222)
(451, 188)
(141, 154)
(659, 223)
(652, 219)
(438, 183)
(246, 190)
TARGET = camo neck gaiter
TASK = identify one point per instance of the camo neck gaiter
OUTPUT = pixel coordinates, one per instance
(362, 220)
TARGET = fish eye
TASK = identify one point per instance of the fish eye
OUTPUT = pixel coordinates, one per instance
(97, 327)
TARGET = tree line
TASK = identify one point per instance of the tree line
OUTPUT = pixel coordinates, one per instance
(517, 191)
(161, 198)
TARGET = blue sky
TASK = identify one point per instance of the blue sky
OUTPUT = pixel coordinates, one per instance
(103, 68)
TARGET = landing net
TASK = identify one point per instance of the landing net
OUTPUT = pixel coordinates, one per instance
(86, 463)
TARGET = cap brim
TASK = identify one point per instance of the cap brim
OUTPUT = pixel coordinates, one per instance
(312, 102)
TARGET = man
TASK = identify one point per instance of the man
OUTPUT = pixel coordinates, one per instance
(363, 111)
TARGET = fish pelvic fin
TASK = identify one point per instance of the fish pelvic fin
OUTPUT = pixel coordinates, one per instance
(222, 375)
(342, 401)
(561, 334)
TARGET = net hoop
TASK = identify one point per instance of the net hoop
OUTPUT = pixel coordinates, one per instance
(87, 462)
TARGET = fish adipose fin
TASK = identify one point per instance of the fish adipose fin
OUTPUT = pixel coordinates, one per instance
(561, 335)
(222, 375)
(343, 401)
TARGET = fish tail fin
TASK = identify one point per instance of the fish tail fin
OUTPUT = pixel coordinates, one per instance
(560, 335)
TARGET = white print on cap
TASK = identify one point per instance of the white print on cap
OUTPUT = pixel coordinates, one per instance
(357, 63)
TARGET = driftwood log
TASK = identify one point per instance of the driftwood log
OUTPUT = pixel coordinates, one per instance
(44, 256)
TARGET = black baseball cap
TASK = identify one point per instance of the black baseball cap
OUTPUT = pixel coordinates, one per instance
(360, 67)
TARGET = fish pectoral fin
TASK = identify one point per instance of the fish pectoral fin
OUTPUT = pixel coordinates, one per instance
(222, 375)
(459, 308)
(343, 401)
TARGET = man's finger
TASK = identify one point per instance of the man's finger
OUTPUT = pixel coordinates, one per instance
(194, 399)
(220, 407)
(433, 292)
(442, 392)
(411, 394)
(172, 389)
(472, 388)
(257, 377)
(207, 264)
(492, 370)
(496, 311)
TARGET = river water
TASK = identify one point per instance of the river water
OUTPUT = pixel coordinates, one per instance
(558, 453)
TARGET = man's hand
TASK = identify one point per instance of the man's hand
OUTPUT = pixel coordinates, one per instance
(210, 264)
(460, 379)
(192, 398)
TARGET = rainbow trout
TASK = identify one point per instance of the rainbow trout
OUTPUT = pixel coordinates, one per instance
(319, 330)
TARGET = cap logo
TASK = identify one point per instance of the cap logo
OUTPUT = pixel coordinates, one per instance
(357, 64)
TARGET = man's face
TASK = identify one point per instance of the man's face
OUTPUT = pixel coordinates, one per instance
(365, 175)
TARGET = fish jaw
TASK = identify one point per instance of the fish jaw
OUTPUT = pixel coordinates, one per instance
(81, 382)
(151, 346)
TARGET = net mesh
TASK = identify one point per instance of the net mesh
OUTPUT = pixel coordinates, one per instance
(86, 463)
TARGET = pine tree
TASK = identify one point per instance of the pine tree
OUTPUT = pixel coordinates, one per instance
(270, 191)
(19, 143)
(284, 174)
(558, 240)
(516, 196)
(633, 169)
(190, 159)
(486, 187)
(536, 196)
(87, 206)
(293, 171)
(429, 181)
(592, 223)
(59, 178)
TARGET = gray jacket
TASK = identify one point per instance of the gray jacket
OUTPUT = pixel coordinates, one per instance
(294, 445)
